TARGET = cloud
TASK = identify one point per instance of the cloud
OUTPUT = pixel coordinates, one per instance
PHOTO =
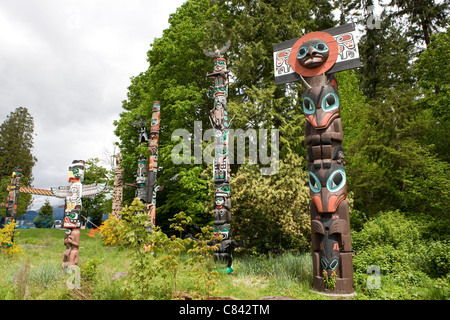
(70, 62)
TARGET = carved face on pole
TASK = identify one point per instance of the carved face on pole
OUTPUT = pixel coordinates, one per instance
(223, 230)
(313, 53)
(72, 214)
(76, 171)
(321, 108)
(328, 187)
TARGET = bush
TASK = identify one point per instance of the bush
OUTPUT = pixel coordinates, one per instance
(411, 267)
(388, 228)
(7, 245)
(435, 259)
(112, 231)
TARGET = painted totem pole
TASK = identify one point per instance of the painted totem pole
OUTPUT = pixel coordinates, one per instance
(72, 213)
(146, 187)
(12, 199)
(13, 196)
(152, 188)
(221, 166)
(118, 188)
(314, 59)
(142, 171)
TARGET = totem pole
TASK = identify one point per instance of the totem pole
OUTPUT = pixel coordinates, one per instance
(13, 196)
(145, 185)
(221, 166)
(72, 213)
(118, 188)
(12, 199)
(314, 59)
(142, 171)
(152, 188)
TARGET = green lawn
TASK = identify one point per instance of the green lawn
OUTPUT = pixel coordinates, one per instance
(37, 273)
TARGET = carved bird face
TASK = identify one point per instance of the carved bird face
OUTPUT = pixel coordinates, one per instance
(76, 171)
(313, 53)
(328, 187)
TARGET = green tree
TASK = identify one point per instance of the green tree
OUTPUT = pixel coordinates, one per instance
(45, 218)
(432, 69)
(271, 213)
(97, 205)
(16, 144)
(176, 78)
(424, 17)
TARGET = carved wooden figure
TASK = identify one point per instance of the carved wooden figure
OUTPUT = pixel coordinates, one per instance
(221, 166)
(313, 59)
(72, 213)
(118, 188)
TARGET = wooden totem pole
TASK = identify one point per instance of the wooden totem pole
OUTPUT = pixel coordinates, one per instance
(151, 187)
(146, 187)
(314, 59)
(142, 171)
(221, 166)
(118, 188)
(72, 213)
(12, 200)
(13, 196)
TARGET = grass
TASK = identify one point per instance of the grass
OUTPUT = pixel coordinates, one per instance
(37, 273)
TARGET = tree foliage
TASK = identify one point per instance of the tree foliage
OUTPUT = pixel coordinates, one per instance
(393, 112)
(45, 218)
(16, 145)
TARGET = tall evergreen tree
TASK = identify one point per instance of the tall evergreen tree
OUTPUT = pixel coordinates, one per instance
(16, 145)
(45, 218)
(424, 17)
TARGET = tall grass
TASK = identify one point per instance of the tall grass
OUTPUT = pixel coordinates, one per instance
(288, 266)
(37, 275)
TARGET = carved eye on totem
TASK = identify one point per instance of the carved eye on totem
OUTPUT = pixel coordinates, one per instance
(314, 182)
(333, 265)
(336, 180)
(224, 188)
(330, 101)
(308, 106)
(313, 53)
(72, 215)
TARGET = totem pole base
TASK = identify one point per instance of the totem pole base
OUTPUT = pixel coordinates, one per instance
(344, 287)
(344, 296)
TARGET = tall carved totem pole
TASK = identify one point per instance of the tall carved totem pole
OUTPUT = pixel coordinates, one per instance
(146, 187)
(151, 187)
(13, 196)
(118, 188)
(72, 213)
(314, 59)
(221, 167)
(142, 171)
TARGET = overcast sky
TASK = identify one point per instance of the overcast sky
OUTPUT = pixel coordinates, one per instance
(70, 62)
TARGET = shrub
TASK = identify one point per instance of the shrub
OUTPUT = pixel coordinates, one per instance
(411, 267)
(7, 246)
(388, 228)
(112, 231)
(435, 258)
